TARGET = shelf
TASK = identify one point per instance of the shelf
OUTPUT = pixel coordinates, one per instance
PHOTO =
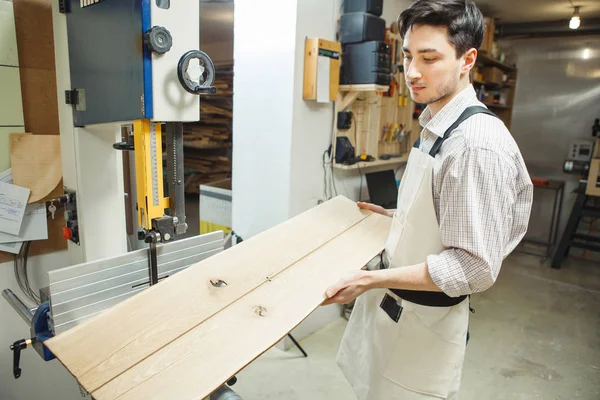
(493, 86)
(497, 105)
(485, 59)
(364, 88)
(373, 164)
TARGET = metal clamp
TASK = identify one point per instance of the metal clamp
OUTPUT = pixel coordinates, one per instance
(16, 347)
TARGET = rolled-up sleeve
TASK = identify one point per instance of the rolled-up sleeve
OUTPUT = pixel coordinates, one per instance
(480, 221)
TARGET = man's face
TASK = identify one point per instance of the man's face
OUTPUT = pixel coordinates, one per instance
(430, 65)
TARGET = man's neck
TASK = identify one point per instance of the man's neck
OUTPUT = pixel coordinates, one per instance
(438, 105)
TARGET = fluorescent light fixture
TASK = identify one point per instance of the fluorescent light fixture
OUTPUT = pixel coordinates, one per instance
(575, 21)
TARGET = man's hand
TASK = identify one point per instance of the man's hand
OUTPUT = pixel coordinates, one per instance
(348, 288)
(375, 208)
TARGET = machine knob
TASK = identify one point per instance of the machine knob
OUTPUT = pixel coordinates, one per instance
(198, 78)
(69, 215)
(67, 233)
(158, 39)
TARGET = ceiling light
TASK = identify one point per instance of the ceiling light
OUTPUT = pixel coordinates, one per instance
(587, 54)
(574, 23)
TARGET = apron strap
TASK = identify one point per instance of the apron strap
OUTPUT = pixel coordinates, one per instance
(469, 112)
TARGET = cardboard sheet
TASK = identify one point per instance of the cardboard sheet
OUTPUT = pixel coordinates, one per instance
(41, 173)
(185, 337)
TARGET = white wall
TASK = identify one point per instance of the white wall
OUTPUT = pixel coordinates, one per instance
(556, 101)
(278, 138)
(263, 82)
(39, 379)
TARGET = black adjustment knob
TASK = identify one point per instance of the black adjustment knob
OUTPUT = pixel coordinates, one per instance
(158, 39)
(204, 84)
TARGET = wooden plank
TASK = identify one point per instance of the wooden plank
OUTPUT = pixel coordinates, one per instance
(204, 358)
(106, 346)
(363, 165)
(311, 50)
(33, 23)
(370, 87)
(40, 102)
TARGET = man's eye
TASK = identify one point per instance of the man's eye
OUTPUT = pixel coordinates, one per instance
(407, 57)
(430, 59)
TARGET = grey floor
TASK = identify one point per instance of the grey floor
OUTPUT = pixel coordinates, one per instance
(535, 335)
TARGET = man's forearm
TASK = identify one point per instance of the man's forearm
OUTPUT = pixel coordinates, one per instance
(414, 277)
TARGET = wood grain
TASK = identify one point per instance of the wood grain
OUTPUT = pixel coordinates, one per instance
(40, 103)
(109, 344)
(42, 173)
(200, 361)
(35, 38)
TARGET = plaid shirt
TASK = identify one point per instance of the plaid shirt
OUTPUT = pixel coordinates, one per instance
(482, 196)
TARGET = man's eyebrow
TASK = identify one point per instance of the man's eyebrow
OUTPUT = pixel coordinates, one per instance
(404, 49)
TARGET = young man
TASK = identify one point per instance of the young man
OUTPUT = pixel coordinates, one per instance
(463, 206)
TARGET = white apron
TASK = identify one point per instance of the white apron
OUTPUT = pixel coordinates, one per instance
(421, 355)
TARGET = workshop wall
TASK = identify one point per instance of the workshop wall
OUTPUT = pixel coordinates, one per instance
(262, 114)
(11, 106)
(31, 95)
(39, 379)
(556, 102)
(313, 122)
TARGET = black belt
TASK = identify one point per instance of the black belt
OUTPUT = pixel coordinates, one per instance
(425, 298)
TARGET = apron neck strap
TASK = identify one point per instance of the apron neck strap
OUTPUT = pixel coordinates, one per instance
(469, 111)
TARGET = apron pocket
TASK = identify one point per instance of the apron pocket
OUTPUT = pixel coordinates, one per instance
(421, 360)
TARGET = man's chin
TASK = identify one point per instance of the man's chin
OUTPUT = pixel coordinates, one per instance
(421, 98)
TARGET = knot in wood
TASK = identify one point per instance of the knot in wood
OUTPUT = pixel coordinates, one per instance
(260, 311)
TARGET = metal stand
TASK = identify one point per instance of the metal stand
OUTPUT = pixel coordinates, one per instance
(558, 187)
(297, 345)
(570, 237)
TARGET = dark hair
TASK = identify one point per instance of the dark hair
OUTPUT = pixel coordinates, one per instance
(462, 18)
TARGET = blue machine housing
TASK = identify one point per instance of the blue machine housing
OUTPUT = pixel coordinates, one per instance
(40, 330)
(110, 66)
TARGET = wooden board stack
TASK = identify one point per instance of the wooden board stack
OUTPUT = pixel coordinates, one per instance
(207, 143)
(186, 336)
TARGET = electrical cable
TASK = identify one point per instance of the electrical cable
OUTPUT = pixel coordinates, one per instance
(27, 292)
(333, 179)
(325, 195)
(358, 161)
(34, 296)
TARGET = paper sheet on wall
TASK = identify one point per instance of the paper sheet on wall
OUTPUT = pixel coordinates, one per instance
(13, 201)
(323, 64)
(6, 176)
(33, 227)
(13, 247)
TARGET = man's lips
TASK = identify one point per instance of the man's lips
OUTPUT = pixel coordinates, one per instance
(416, 88)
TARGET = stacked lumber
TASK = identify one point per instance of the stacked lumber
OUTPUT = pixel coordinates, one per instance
(207, 143)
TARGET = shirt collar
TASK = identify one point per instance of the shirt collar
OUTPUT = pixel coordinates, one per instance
(440, 122)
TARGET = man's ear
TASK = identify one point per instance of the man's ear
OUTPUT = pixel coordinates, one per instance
(468, 59)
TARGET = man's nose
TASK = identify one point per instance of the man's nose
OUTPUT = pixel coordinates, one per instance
(412, 73)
